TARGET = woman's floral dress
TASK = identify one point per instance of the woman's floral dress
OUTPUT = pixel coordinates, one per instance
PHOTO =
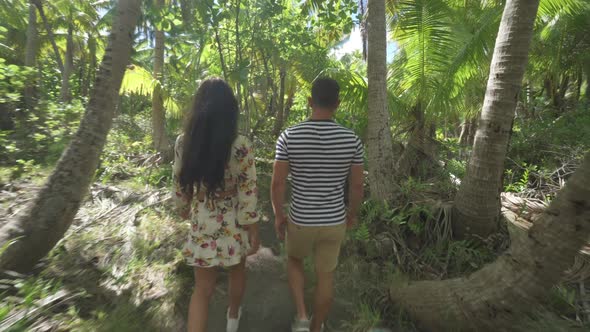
(217, 237)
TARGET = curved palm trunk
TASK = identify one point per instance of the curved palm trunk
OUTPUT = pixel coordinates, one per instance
(477, 204)
(379, 145)
(47, 219)
(494, 298)
(31, 52)
(161, 143)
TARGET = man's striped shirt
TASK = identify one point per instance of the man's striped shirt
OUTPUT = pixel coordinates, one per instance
(320, 154)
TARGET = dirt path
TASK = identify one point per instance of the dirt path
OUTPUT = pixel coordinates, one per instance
(267, 305)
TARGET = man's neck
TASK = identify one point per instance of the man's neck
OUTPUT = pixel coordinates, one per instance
(320, 114)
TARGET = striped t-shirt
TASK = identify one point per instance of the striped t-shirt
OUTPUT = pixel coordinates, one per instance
(320, 153)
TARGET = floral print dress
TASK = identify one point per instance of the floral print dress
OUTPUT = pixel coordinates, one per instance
(217, 236)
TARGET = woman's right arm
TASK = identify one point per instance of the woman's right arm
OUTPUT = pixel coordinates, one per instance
(182, 200)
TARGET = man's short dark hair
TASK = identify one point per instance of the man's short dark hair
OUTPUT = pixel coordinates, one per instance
(325, 92)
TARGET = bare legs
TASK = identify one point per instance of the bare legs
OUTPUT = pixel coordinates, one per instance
(324, 293)
(205, 279)
(237, 286)
(199, 307)
(296, 283)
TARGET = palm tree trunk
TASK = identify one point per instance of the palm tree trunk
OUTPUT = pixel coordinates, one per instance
(160, 140)
(477, 204)
(379, 144)
(65, 94)
(48, 217)
(49, 31)
(31, 53)
(494, 298)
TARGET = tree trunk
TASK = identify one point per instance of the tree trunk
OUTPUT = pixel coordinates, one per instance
(39, 6)
(48, 217)
(477, 204)
(495, 297)
(65, 94)
(472, 131)
(418, 153)
(31, 53)
(220, 50)
(379, 140)
(289, 103)
(160, 140)
(278, 126)
(464, 132)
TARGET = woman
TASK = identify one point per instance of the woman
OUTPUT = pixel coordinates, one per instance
(215, 180)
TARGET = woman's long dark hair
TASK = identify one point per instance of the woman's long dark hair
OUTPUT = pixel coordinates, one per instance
(209, 134)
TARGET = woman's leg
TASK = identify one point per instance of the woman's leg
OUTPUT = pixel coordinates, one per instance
(237, 286)
(199, 307)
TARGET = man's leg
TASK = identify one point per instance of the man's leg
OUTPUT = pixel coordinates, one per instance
(296, 284)
(327, 251)
(324, 295)
(299, 244)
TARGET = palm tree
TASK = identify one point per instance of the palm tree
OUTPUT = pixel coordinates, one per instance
(477, 203)
(160, 140)
(494, 298)
(31, 51)
(37, 231)
(379, 139)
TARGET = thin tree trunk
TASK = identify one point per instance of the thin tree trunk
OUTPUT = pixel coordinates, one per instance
(289, 103)
(49, 216)
(477, 204)
(464, 132)
(160, 140)
(31, 53)
(579, 81)
(278, 125)
(499, 295)
(219, 49)
(49, 31)
(65, 94)
(472, 131)
(379, 144)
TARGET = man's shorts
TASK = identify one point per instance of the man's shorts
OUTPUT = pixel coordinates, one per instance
(323, 241)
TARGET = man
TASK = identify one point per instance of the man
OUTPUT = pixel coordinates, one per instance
(321, 155)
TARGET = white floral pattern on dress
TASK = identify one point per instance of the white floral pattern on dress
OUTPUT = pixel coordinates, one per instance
(216, 237)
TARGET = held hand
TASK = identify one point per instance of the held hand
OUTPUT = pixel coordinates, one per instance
(281, 226)
(351, 220)
(253, 238)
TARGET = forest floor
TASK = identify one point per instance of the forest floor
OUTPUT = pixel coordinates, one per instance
(119, 268)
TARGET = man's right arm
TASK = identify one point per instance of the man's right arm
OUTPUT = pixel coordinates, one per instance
(355, 192)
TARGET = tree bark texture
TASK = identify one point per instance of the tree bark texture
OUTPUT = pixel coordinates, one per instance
(379, 139)
(48, 217)
(31, 53)
(495, 297)
(477, 203)
(65, 93)
(160, 140)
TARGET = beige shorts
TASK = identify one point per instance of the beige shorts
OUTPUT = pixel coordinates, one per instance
(323, 241)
